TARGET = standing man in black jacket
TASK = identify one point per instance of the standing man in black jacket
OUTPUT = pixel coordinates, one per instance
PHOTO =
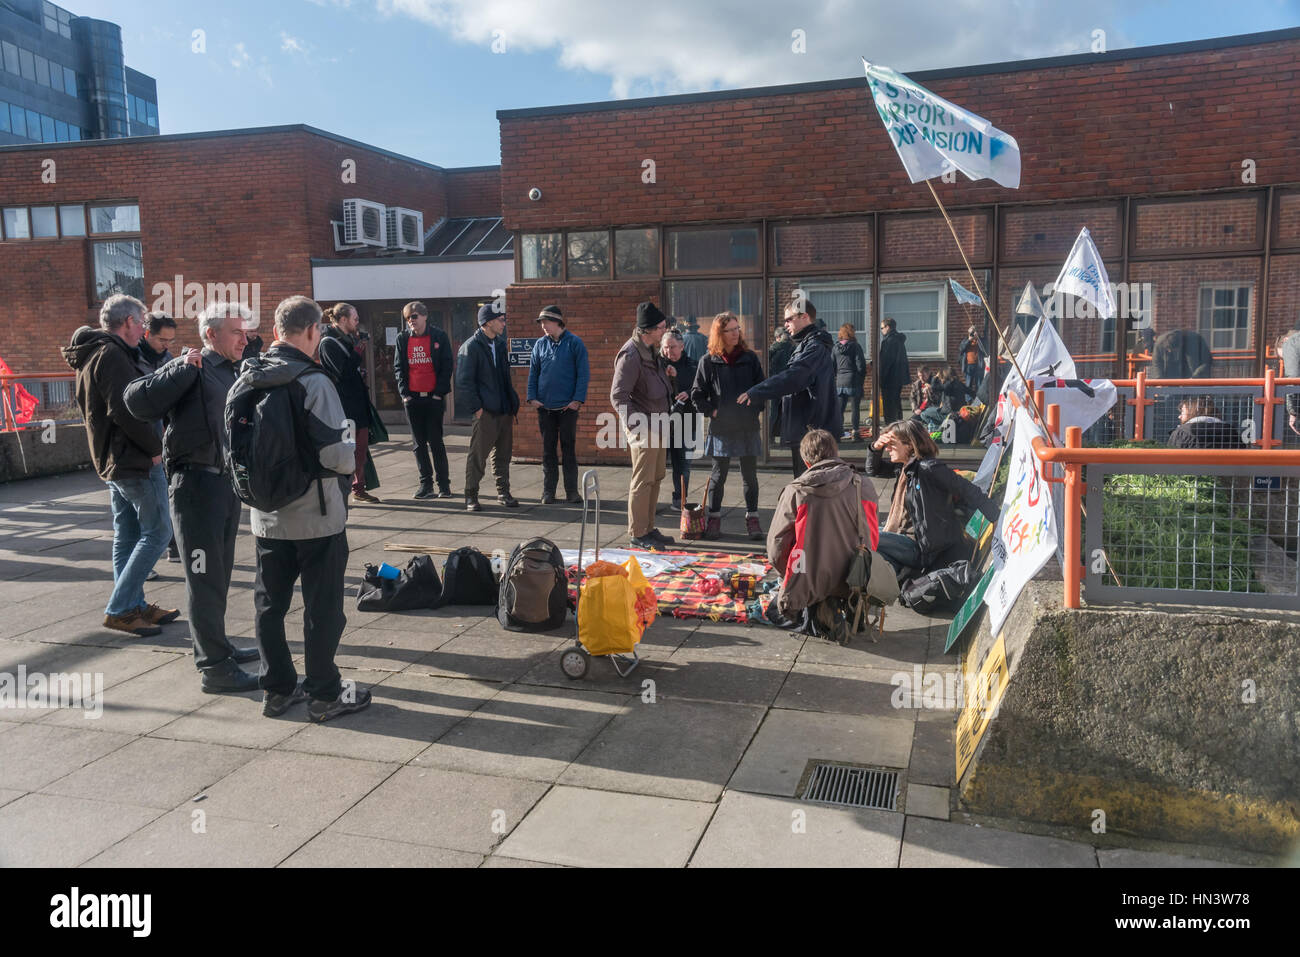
(155, 352)
(807, 384)
(339, 356)
(190, 393)
(422, 365)
(894, 370)
(483, 378)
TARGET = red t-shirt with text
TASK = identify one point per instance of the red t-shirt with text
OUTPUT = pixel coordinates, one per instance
(419, 360)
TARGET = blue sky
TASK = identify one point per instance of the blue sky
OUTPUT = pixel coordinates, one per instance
(421, 77)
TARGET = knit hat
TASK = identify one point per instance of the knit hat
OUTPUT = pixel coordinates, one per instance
(648, 316)
(487, 312)
(552, 313)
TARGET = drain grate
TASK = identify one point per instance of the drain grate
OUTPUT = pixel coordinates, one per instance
(849, 786)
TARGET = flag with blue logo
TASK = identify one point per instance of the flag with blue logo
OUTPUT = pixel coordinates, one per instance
(933, 136)
(963, 294)
(1084, 276)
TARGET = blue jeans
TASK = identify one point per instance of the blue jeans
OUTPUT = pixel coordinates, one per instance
(900, 551)
(974, 376)
(141, 530)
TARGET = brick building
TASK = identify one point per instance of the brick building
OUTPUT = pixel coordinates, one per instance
(1183, 161)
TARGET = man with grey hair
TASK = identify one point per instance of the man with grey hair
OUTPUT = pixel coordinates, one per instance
(190, 394)
(306, 538)
(127, 454)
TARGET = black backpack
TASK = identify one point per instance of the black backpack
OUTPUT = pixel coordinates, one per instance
(534, 588)
(418, 587)
(269, 456)
(939, 590)
(467, 579)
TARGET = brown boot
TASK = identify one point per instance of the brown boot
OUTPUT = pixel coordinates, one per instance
(364, 498)
(133, 623)
(159, 616)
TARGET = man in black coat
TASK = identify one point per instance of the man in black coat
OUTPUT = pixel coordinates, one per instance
(806, 386)
(339, 356)
(894, 370)
(422, 365)
(483, 379)
(190, 393)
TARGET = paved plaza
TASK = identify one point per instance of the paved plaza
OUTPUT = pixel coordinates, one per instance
(477, 750)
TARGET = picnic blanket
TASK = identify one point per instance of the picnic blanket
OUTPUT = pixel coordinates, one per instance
(678, 595)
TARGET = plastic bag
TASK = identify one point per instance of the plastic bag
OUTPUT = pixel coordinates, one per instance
(616, 607)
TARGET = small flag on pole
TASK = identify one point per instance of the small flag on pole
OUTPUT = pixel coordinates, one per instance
(963, 294)
(1084, 276)
(1029, 303)
(933, 136)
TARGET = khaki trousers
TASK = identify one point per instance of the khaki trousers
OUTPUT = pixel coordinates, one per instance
(493, 435)
(648, 466)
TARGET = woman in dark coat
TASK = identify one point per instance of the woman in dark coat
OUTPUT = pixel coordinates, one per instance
(850, 370)
(681, 369)
(726, 372)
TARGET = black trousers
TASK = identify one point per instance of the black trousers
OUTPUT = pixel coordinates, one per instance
(559, 425)
(853, 402)
(797, 461)
(681, 462)
(425, 418)
(748, 475)
(205, 517)
(891, 406)
(321, 562)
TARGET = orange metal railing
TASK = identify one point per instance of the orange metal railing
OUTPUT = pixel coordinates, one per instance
(9, 422)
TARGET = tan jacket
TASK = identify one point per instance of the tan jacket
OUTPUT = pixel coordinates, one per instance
(640, 382)
(818, 524)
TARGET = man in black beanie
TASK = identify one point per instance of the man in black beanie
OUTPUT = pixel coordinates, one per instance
(640, 395)
(483, 381)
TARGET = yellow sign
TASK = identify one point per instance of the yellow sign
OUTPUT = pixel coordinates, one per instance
(983, 685)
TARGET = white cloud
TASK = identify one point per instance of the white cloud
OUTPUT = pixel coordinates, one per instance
(675, 46)
(239, 57)
(291, 45)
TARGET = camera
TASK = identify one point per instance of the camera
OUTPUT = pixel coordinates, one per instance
(534, 194)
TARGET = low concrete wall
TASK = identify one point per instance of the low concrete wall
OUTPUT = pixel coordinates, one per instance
(26, 454)
(1178, 726)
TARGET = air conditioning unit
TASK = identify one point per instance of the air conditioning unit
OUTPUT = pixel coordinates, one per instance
(405, 229)
(364, 223)
(336, 227)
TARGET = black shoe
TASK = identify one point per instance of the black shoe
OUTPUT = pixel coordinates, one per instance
(245, 655)
(228, 678)
(660, 537)
(276, 704)
(548, 498)
(426, 491)
(573, 499)
(442, 493)
(325, 710)
(508, 500)
(471, 504)
(646, 543)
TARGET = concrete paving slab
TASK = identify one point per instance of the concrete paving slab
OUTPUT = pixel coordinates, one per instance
(525, 732)
(689, 674)
(924, 800)
(236, 720)
(7, 795)
(497, 860)
(50, 830)
(673, 748)
(896, 651)
(584, 828)
(601, 675)
(144, 703)
(406, 714)
(489, 654)
(788, 740)
(1130, 857)
(35, 754)
(369, 649)
(287, 788)
(934, 750)
(153, 772)
(726, 640)
(758, 830)
(839, 688)
(929, 843)
(333, 849)
(191, 837)
(434, 806)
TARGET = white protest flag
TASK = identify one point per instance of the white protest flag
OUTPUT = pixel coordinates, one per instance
(1043, 354)
(964, 295)
(933, 136)
(1082, 401)
(1029, 304)
(1084, 276)
(1026, 535)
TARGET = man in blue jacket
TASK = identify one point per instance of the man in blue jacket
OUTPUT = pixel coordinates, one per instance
(557, 389)
(806, 386)
(483, 379)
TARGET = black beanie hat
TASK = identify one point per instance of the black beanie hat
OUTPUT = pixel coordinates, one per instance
(648, 316)
(487, 312)
(553, 313)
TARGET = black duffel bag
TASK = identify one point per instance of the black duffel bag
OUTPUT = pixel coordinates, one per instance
(417, 587)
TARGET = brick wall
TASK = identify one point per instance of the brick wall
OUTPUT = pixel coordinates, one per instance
(473, 192)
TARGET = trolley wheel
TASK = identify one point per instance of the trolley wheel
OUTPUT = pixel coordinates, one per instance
(574, 664)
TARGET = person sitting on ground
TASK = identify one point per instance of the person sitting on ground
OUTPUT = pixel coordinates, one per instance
(1201, 427)
(920, 390)
(819, 522)
(922, 523)
(955, 392)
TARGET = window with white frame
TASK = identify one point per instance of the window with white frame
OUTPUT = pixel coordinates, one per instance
(841, 302)
(1224, 314)
(920, 310)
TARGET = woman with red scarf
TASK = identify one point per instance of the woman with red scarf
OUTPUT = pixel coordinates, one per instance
(728, 371)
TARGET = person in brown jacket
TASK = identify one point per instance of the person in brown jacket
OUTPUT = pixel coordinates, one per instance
(640, 396)
(820, 520)
(127, 454)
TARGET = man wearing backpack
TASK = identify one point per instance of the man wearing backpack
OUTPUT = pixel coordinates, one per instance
(190, 394)
(306, 536)
(483, 379)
